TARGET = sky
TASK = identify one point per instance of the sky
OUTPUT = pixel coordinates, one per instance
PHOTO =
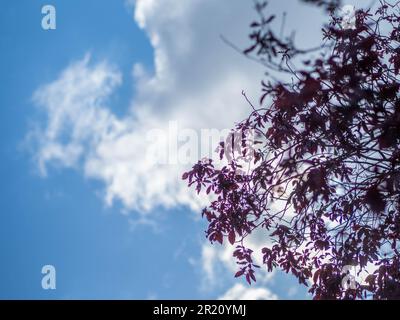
(84, 185)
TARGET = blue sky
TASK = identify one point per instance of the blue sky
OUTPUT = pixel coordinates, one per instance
(150, 247)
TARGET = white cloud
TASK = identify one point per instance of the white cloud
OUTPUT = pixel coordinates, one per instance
(197, 82)
(74, 105)
(241, 292)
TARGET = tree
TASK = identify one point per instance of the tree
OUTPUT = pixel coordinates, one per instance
(326, 153)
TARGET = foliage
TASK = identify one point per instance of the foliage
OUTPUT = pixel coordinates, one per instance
(324, 180)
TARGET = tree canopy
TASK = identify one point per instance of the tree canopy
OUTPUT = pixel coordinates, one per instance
(323, 179)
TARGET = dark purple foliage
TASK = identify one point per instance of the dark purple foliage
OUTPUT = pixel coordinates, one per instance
(328, 152)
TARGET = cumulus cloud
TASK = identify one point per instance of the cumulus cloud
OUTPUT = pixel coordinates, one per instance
(241, 292)
(196, 84)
